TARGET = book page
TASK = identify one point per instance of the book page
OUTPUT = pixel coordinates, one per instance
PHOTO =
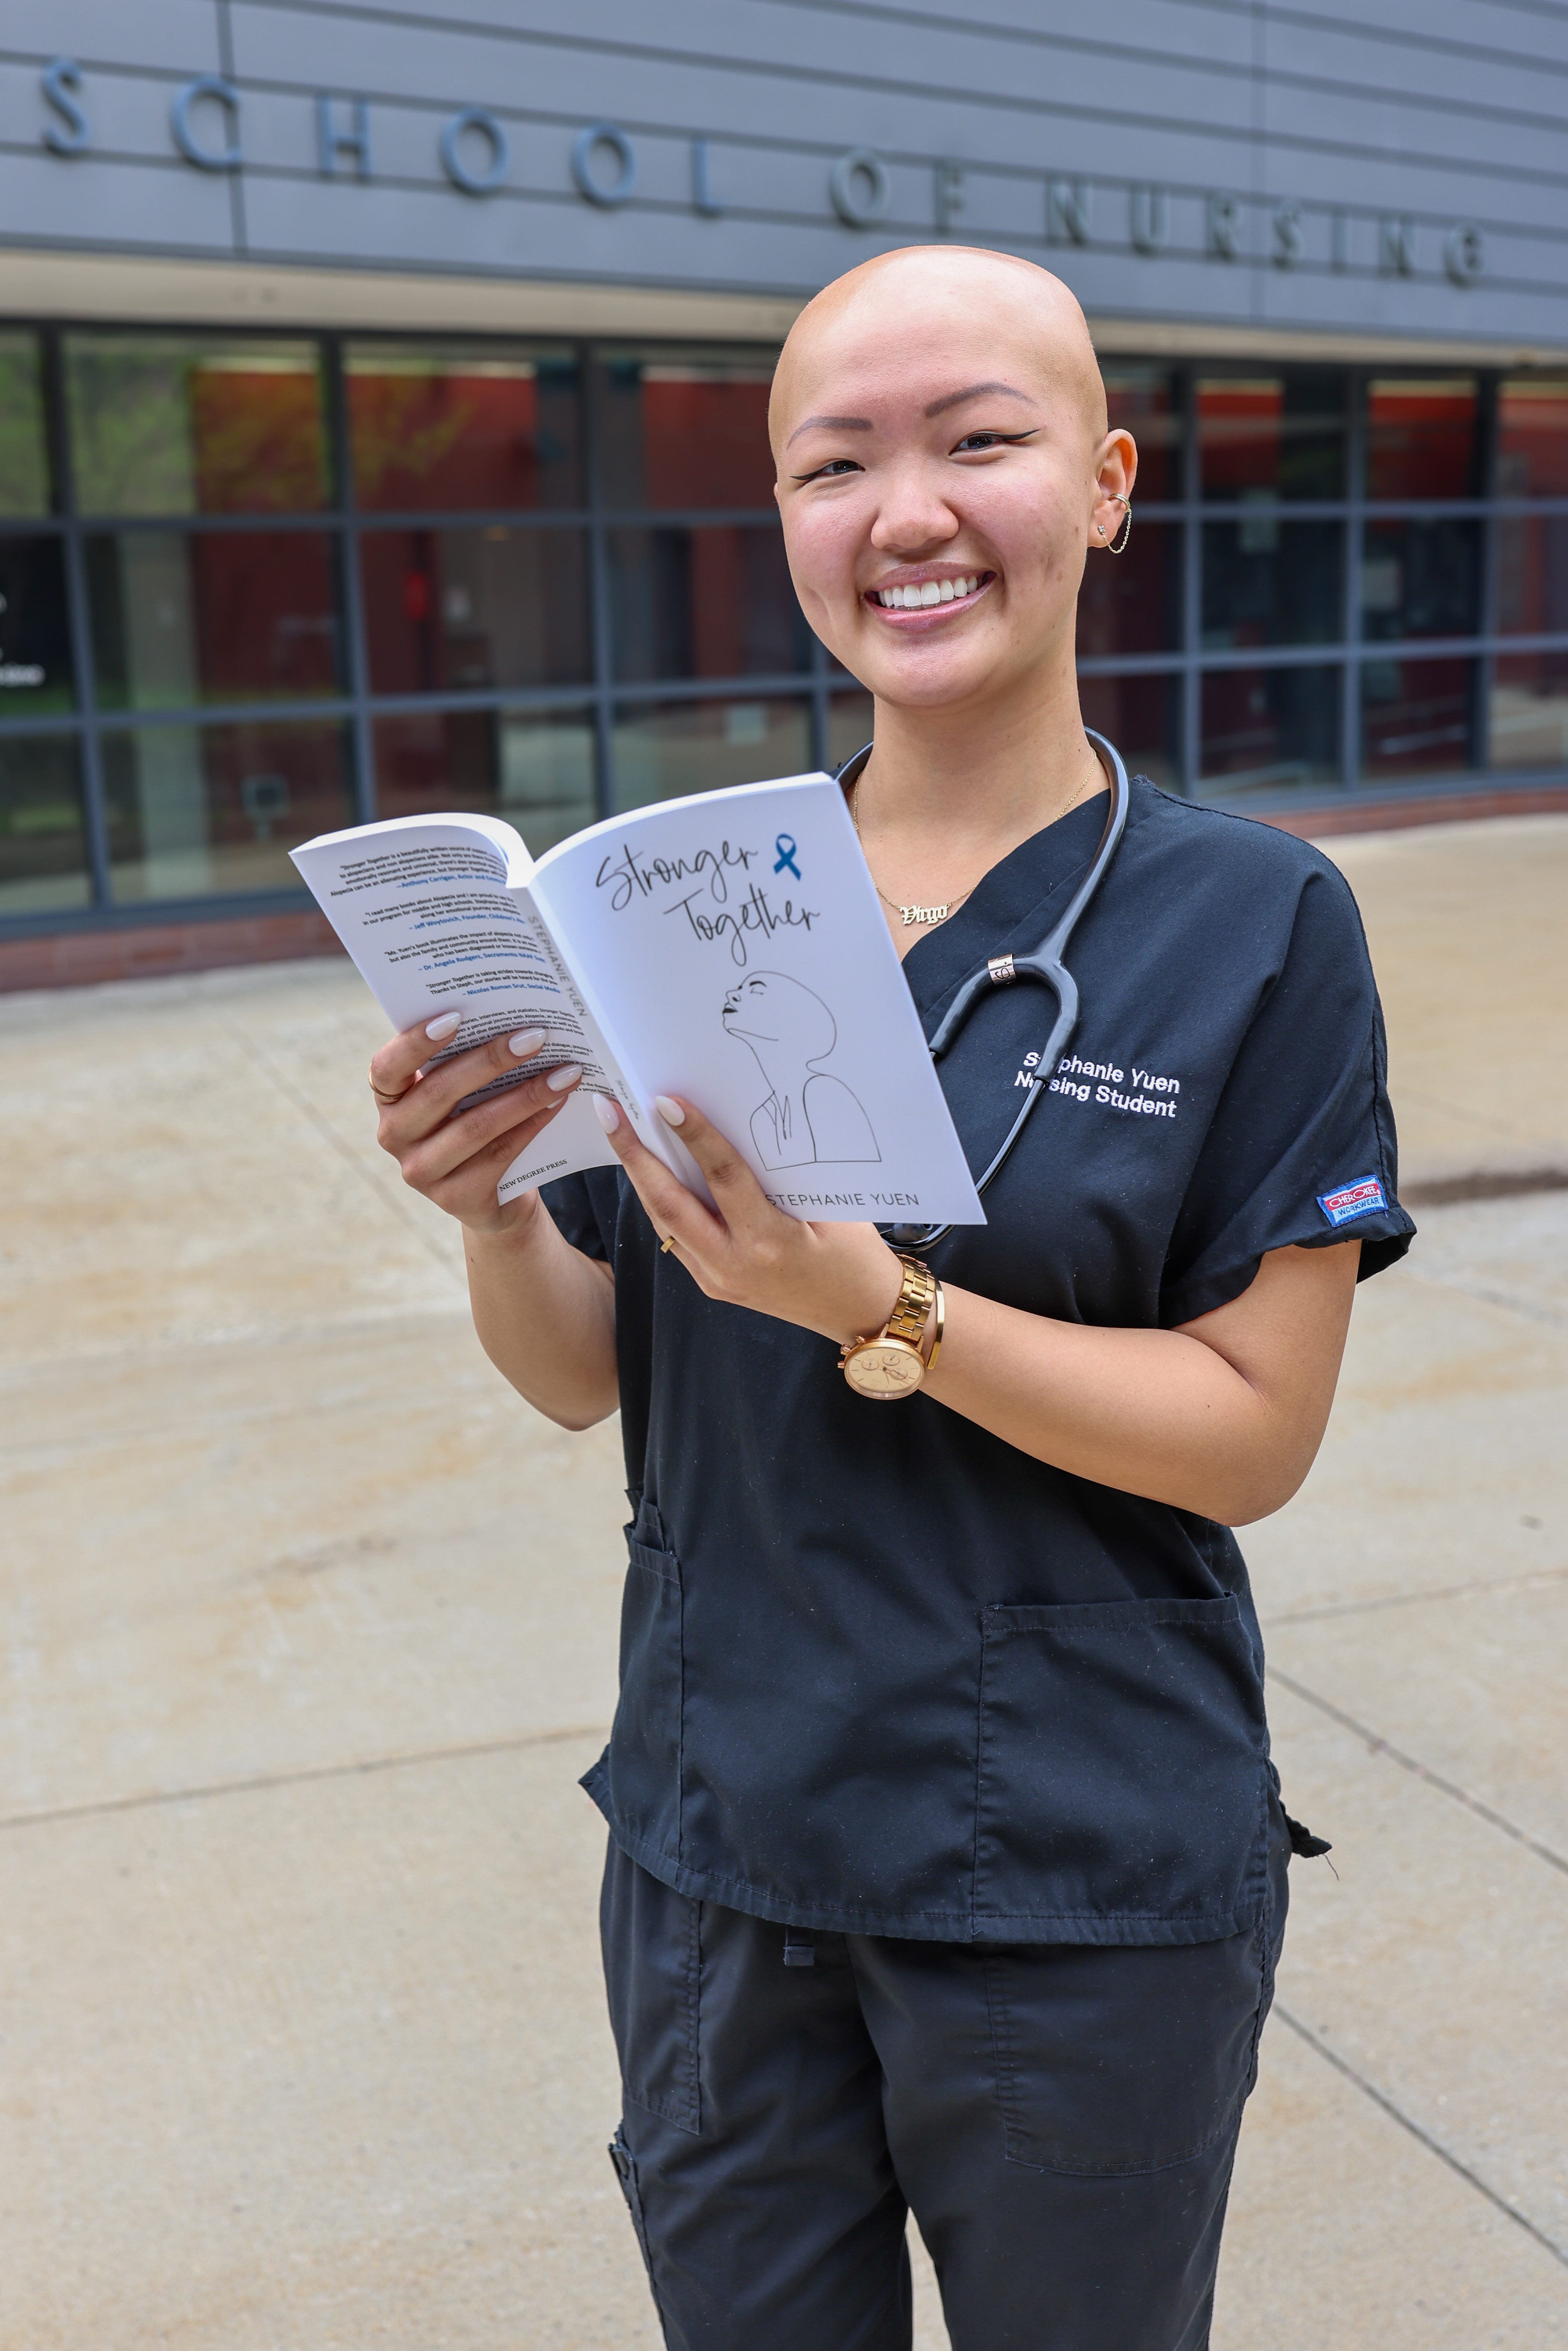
(735, 946)
(437, 915)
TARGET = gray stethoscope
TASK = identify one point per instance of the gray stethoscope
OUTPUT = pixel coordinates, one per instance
(1000, 971)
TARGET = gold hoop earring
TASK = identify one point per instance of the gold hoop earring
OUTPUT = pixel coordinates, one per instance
(1118, 546)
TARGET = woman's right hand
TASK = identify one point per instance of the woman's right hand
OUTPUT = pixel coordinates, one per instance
(457, 1162)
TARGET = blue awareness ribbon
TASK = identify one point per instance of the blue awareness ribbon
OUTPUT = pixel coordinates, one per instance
(785, 845)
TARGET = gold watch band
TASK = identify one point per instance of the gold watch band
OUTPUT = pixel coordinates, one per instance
(912, 1311)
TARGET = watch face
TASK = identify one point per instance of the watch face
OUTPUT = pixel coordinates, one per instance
(887, 1367)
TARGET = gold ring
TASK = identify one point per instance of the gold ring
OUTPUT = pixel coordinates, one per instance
(386, 1100)
(665, 1246)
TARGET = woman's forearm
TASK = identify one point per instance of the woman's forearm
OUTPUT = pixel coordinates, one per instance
(1226, 1425)
(546, 1317)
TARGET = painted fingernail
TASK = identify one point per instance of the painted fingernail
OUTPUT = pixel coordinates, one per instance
(669, 1110)
(443, 1025)
(605, 1112)
(567, 1075)
(525, 1042)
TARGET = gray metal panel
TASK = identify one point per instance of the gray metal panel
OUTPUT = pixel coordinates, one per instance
(1442, 113)
(178, 35)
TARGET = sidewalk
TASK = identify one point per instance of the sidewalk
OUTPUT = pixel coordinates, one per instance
(310, 1626)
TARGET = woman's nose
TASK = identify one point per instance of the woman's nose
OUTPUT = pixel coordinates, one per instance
(914, 516)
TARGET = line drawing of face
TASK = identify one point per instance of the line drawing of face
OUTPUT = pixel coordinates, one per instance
(808, 1114)
(769, 1008)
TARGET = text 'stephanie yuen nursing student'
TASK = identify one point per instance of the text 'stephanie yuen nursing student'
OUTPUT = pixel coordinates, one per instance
(727, 948)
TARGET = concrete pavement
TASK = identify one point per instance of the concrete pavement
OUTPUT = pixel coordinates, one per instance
(310, 1626)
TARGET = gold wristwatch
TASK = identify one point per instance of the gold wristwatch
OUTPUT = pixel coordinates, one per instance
(889, 1364)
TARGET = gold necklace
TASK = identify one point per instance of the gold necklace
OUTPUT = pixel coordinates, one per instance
(927, 917)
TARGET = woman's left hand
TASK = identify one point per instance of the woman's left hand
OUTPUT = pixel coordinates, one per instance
(840, 1279)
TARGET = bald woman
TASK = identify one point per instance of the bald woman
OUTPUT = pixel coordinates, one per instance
(947, 1868)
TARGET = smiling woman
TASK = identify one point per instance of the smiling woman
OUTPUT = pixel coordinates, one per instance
(940, 1767)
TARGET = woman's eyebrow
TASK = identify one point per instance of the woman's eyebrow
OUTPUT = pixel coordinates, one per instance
(973, 392)
(832, 425)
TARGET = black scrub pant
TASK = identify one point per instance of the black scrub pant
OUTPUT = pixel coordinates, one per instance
(1061, 2118)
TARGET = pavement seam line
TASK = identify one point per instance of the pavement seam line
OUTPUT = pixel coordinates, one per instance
(1531, 1579)
(263, 1782)
(1508, 1301)
(330, 1135)
(1406, 2122)
(1377, 1745)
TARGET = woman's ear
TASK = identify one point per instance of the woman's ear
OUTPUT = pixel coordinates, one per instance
(1115, 470)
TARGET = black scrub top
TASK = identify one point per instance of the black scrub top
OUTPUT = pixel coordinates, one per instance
(880, 1671)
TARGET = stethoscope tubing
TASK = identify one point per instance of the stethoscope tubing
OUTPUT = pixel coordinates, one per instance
(1045, 965)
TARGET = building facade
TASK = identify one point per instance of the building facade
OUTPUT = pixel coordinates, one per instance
(382, 396)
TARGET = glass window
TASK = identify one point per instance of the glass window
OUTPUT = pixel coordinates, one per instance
(704, 603)
(1142, 715)
(685, 428)
(24, 448)
(535, 768)
(43, 845)
(1131, 603)
(196, 810)
(181, 618)
(1268, 582)
(1267, 729)
(1421, 579)
(1533, 437)
(1528, 721)
(1417, 718)
(458, 429)
(466, 609)
(1421, 437)
(183, 424)
(663, 751)
(850, 725)
(1532, 574)
(35, 637)
(1272, 436)
(1142, 400)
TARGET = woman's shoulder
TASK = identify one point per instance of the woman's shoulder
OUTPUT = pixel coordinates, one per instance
(1226, 852)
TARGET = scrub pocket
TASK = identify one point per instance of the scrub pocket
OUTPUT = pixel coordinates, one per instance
(651, 1939)
(1122, 1787)
(644, 1758)
(1112, 2062)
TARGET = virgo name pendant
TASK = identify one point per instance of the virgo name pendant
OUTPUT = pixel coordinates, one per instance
(923, 915)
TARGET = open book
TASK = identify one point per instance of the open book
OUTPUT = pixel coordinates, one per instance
(727, 948)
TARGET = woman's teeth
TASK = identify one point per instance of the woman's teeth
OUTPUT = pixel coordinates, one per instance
(930, 591)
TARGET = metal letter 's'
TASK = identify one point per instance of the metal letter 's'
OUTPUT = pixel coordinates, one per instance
(333, 140)
(1289, 237)
(1067, 212)
(71, 135)
(857, 165)
(222, 93)
(1150, 212)
(1225, 227)
(1464, 253)
(620, 190)
(456, 164)
(1396, 246)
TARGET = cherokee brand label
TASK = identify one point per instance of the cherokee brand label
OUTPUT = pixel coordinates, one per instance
(1361, 1198)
